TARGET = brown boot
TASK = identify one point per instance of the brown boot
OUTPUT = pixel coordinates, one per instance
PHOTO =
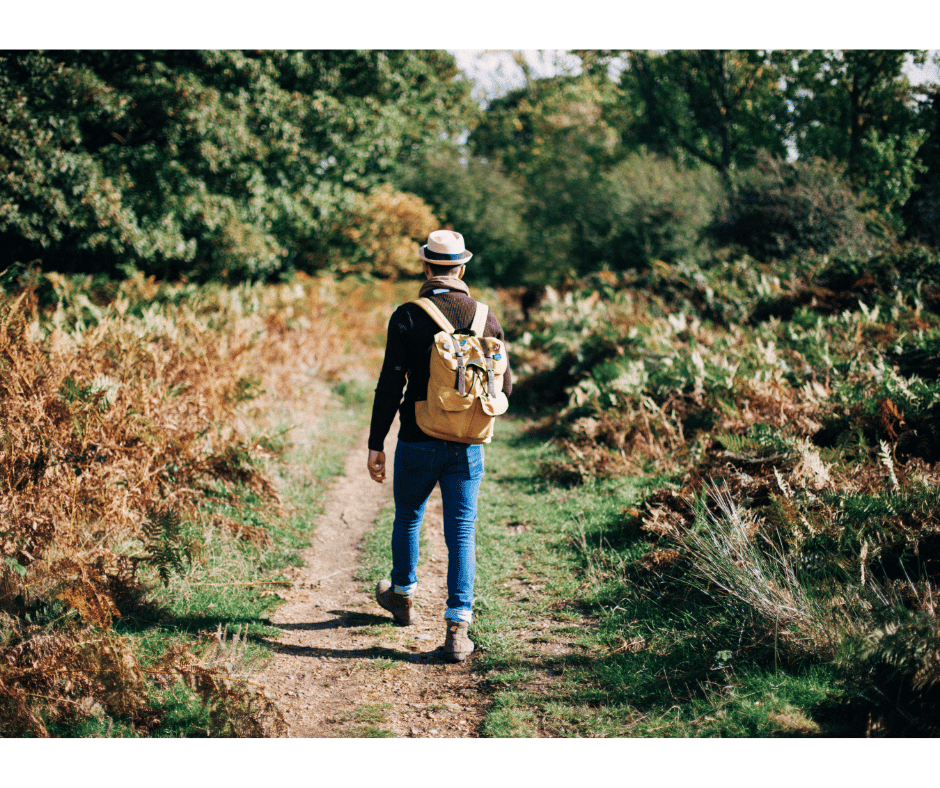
(457, 644)
(401, 607)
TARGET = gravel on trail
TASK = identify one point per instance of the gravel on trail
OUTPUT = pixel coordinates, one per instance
(341, 668)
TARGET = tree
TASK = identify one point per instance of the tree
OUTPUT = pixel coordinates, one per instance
(648, 208)
(476, 198)
(716, 107)
(777, 209)
(206, 164)
(857, 108)
(552, 137)
(922, 210)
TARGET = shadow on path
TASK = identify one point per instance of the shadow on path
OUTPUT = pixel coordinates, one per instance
(433, 657)
(343, 619)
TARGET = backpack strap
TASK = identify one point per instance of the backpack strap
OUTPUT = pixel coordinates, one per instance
(436, 315)
(479, 319)
(478, 326)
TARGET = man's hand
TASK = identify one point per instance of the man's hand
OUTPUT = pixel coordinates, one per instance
(376, 466)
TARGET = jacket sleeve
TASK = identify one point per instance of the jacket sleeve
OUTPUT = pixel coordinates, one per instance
(388, 392)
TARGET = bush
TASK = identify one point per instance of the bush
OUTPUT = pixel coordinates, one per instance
(647, 208)
(779, 209)
(910, 268)
(210, 165)
(475, 198)
(924, 213)
(381, 234)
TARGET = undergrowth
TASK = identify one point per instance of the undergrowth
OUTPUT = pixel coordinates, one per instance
(789, 412)
(146, 431)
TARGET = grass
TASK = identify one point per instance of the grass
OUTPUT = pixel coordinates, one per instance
(509, 718)
(365, 721)
(231, 585)
(573, 645)
(369, 732)
(376, 558)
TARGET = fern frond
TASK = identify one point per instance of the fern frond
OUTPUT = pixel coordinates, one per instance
(165, 548)
(887, 459)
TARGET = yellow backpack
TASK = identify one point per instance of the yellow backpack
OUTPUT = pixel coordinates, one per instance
(465, 389)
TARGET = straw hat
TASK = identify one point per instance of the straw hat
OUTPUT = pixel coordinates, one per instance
(444, 246)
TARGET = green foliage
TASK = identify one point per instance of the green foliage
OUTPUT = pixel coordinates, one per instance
(922, 210)
(918, 355)
(550, 123)
(241, 165)
(779, 209)
(898, 664)
(209, 164)
(554, 137)
(165, 547)
(857, 108)
(761, 440)
(717, 107)
(890, 164)
(908, 270)
(646, 208)
(472, 195)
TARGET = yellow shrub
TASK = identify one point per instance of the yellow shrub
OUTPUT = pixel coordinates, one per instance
(383, 232)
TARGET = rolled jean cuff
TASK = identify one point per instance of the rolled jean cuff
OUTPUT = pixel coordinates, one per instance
(452, 614)
(405, 590)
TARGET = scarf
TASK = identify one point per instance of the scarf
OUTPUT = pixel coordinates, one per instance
(443, 283)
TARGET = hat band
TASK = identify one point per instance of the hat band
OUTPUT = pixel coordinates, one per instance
(432, 255)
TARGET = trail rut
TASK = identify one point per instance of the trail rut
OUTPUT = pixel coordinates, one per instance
(341, 668)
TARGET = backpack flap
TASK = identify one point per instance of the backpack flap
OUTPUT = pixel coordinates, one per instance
(495, 406)
(448, 384)
(465, 381)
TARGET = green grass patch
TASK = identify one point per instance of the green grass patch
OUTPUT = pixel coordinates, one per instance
(368, 732)
(574, 643)
(376, 558)
(231, 576)
(370, 712)
(510, 717)
(365, 722)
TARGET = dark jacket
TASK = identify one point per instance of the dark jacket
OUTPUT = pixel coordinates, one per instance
(407, 358)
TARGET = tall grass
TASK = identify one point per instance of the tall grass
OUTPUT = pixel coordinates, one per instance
(133, 416)
(799, 403)
(746, 569)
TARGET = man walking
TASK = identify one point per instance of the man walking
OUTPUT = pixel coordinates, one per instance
(421, 461)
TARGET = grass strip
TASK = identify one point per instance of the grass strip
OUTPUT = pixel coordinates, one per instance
(573, 644)
(221, 606)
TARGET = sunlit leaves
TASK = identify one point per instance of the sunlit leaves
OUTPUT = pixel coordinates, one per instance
(216, 164)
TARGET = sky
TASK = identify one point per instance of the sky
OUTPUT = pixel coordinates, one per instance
(496, 72)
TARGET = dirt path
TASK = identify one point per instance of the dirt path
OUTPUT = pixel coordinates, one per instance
(341, 668)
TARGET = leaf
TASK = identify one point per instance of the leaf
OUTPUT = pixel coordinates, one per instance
(15, 565)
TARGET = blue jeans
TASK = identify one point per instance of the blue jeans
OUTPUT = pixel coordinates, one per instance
(458, 468)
